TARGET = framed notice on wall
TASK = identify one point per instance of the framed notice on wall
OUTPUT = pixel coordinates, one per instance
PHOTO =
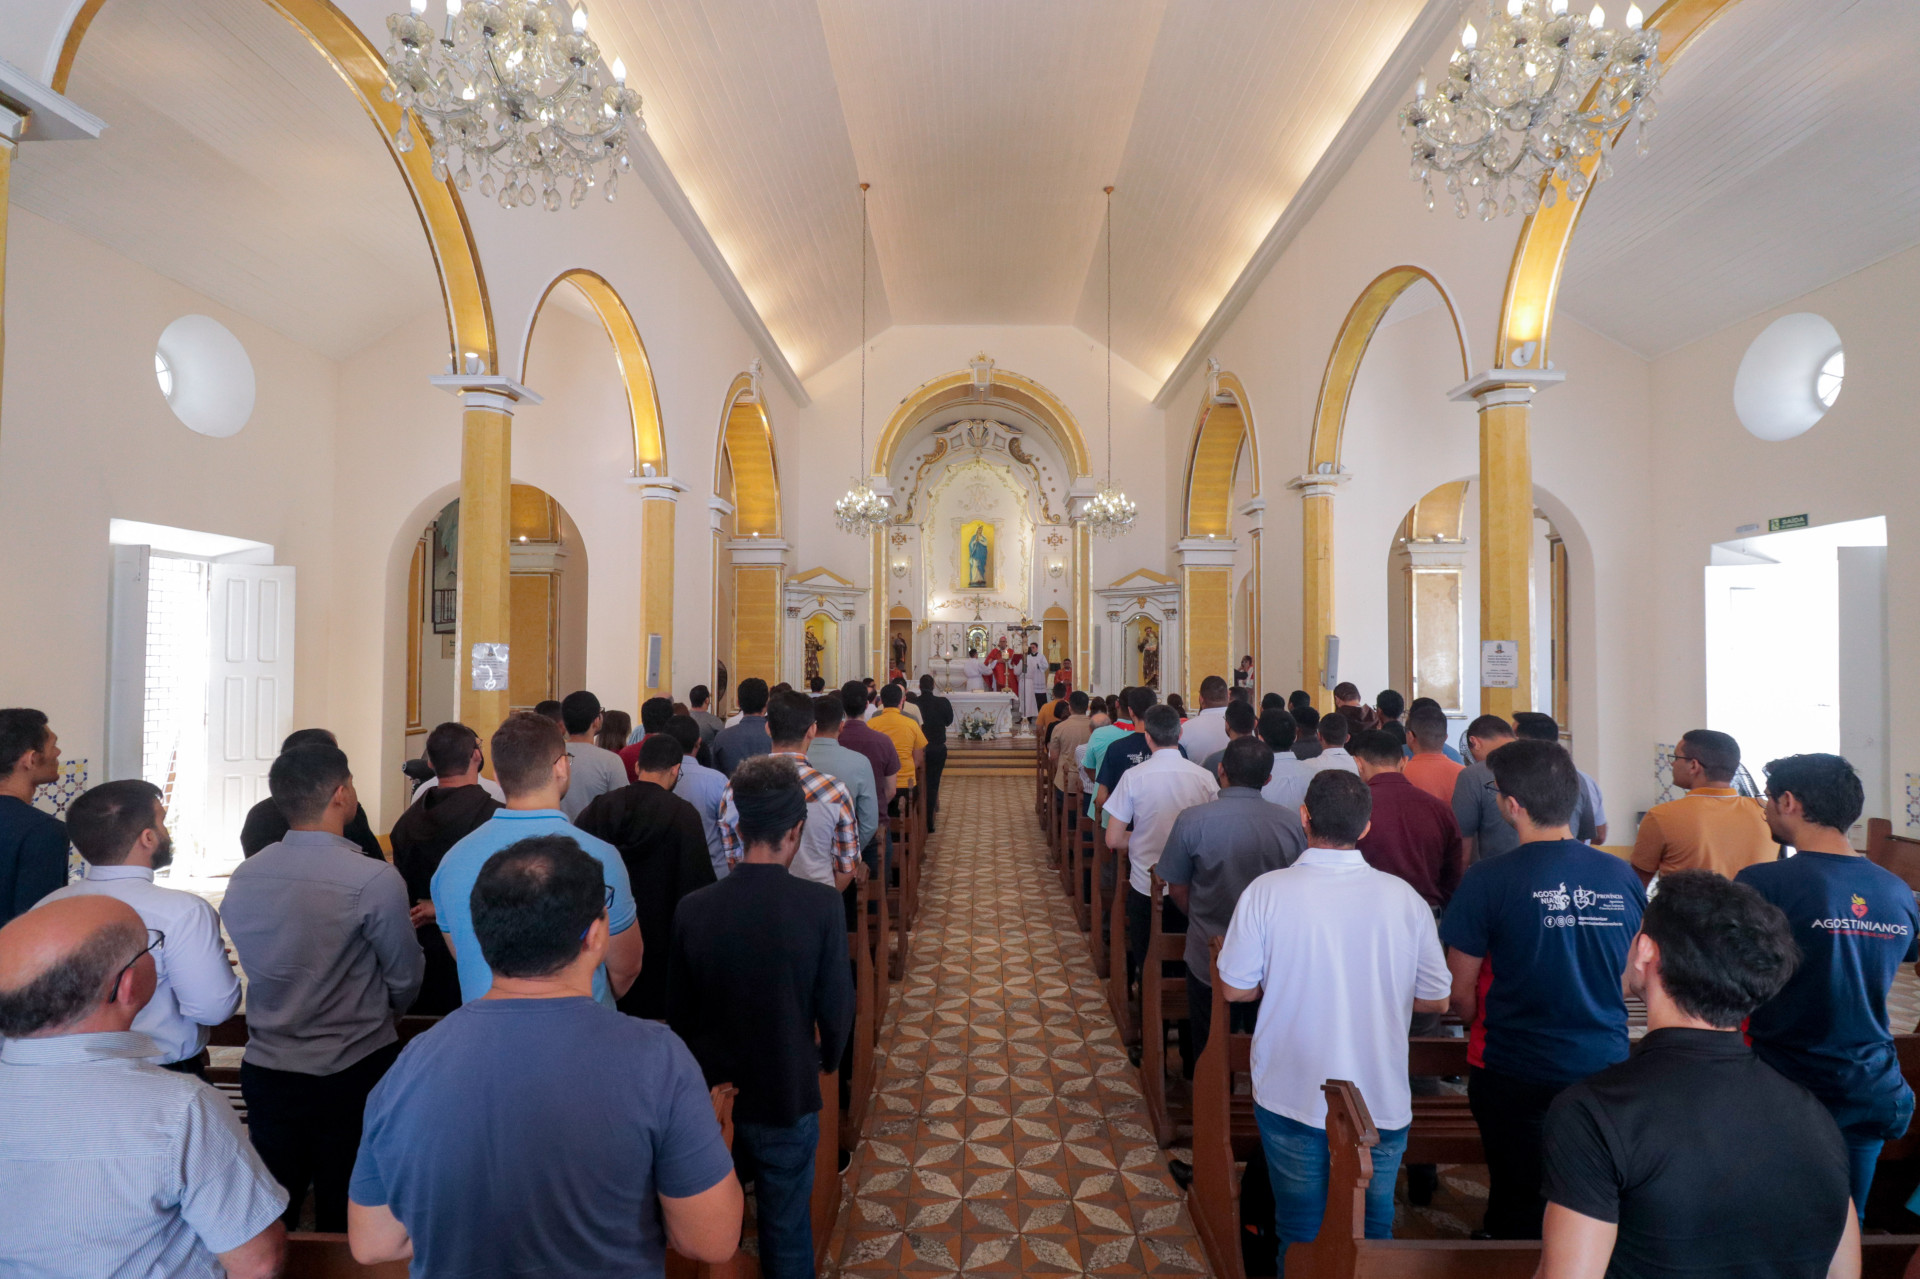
(1499, 664)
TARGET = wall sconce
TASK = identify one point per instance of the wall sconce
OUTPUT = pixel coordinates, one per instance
(899, 568)
(1055, 568)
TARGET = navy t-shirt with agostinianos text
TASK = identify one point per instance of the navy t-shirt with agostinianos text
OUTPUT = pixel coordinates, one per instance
(1551, 922)
(1855, 924)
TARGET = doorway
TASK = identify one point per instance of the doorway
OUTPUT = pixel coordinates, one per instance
(1796, 647)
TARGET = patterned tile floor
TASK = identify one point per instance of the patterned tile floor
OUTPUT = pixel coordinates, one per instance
(1006, 1135)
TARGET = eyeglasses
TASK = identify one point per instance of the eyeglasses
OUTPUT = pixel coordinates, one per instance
(1678, 758)
(605, 910)
(155, 940)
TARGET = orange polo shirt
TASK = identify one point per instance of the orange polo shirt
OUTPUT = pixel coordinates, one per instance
(906, 738)
(1435, 774)
(1713, 828)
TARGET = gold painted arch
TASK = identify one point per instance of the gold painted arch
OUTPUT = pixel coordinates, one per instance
(456, 258)
(746, 446)
(1350, 348)
(1022, 393)
(1533, 281)
(629, 352)
(1213, 461)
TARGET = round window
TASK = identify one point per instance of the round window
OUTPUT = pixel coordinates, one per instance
(205, 375)
(1789, 377)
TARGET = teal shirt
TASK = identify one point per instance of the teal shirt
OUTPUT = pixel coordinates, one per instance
(453, 888)
(1103, 737)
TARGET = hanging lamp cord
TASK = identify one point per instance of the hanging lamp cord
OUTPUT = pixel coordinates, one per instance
(863, 332)
(1109, 337)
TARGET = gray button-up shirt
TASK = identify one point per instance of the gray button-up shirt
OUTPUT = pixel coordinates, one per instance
(113, 1168)
(1217, 849)
(331, 960)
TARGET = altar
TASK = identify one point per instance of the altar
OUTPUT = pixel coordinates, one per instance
(1002, 707)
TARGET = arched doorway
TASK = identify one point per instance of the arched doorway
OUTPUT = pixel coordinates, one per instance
(1026, 470)
(749, 555)
(659, 493)
(1220, 536)
(548, 609)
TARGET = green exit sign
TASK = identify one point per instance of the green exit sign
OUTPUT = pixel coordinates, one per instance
(1782, 523)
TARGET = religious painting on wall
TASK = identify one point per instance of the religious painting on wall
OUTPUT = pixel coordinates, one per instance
(977, 640)
(446, 561)
(976, 552)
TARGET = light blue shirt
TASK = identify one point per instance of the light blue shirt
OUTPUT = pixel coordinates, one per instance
(460, 868)
(854, 771)
(704, 787)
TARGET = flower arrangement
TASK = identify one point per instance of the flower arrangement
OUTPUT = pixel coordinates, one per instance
(977, 726)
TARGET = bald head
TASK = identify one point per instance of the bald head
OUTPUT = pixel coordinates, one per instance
(64, 969)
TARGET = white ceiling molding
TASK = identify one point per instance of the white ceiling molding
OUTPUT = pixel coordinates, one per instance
(679, 210)
(50, 117)
(1382, 98)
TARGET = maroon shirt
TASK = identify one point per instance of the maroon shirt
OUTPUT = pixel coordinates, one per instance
(1414, 836)
(879, 750)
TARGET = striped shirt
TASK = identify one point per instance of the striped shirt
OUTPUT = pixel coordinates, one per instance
(114, 1169)
(829, 845)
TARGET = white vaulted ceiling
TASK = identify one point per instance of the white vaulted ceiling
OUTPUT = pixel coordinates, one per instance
(237, 163)
(1782, 159)
(987, 128)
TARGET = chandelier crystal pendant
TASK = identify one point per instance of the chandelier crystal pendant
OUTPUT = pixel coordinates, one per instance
(511, 95)
(1530, 95)
(863, 511)
(1111, 511)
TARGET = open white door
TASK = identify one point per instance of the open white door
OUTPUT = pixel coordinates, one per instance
(249, 697)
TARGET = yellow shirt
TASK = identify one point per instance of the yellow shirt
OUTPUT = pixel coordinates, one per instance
(905, 736)
(1713, 828)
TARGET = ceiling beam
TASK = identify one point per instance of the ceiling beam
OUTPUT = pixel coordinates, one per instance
(1382, 97)
(666, 188)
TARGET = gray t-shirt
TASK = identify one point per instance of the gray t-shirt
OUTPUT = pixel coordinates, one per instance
(1218, 849)
(1476, 806)
(596, 770)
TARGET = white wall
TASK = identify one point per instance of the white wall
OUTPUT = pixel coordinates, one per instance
(88, 438)
(1708, 477)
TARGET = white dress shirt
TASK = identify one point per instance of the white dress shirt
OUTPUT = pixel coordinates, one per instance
(1288, 787)
(195, 987)
(1150, 795)
(1342, 950)
(1205, 733)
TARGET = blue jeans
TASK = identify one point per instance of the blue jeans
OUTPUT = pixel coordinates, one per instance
(778, 1159)
(1297, 1164)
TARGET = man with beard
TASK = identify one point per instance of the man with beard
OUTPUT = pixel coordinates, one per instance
(121, 829)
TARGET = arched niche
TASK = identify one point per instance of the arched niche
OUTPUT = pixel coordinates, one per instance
(456, 258)
(658, 493)
(1220, 526)
(749, 554)
(984, 391)
(1324, 469)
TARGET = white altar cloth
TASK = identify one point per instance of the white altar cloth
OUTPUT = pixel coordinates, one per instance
(998, 705)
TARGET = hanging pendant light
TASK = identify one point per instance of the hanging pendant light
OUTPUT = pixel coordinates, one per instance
(1111, 511)
(862, 511)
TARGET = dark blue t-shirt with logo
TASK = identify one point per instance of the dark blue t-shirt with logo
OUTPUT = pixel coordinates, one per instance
(1551, 922)
(1855, 923)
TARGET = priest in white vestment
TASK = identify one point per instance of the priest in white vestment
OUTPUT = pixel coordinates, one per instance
(1033, 682)
(976, 672)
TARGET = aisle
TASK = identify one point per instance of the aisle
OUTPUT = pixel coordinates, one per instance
(1006, 1134)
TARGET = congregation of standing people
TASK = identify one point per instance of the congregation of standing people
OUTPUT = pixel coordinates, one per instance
(620, 918)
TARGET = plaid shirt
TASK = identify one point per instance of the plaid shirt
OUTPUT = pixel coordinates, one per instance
(829, 845)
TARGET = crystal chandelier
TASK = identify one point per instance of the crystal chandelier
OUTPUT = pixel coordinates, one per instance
(862, 510)
(1532, 95)
(511, 89)
(1111, 511)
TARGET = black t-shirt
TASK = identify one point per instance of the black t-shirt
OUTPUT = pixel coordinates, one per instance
(1711, 1162)
(936, 716)
(265, 825)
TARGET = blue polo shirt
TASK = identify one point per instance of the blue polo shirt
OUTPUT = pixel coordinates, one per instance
(1827, 1029)
(453, 888)
(1551, 922)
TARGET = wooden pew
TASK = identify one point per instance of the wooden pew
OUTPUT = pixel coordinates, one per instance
(865, 1006)
(1119, 993)
(1342, 1251)
(1097, 857)
(1224, 1134)
(826, 1168)
(1894, 852)
(1163, 1001)
(898, 893)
